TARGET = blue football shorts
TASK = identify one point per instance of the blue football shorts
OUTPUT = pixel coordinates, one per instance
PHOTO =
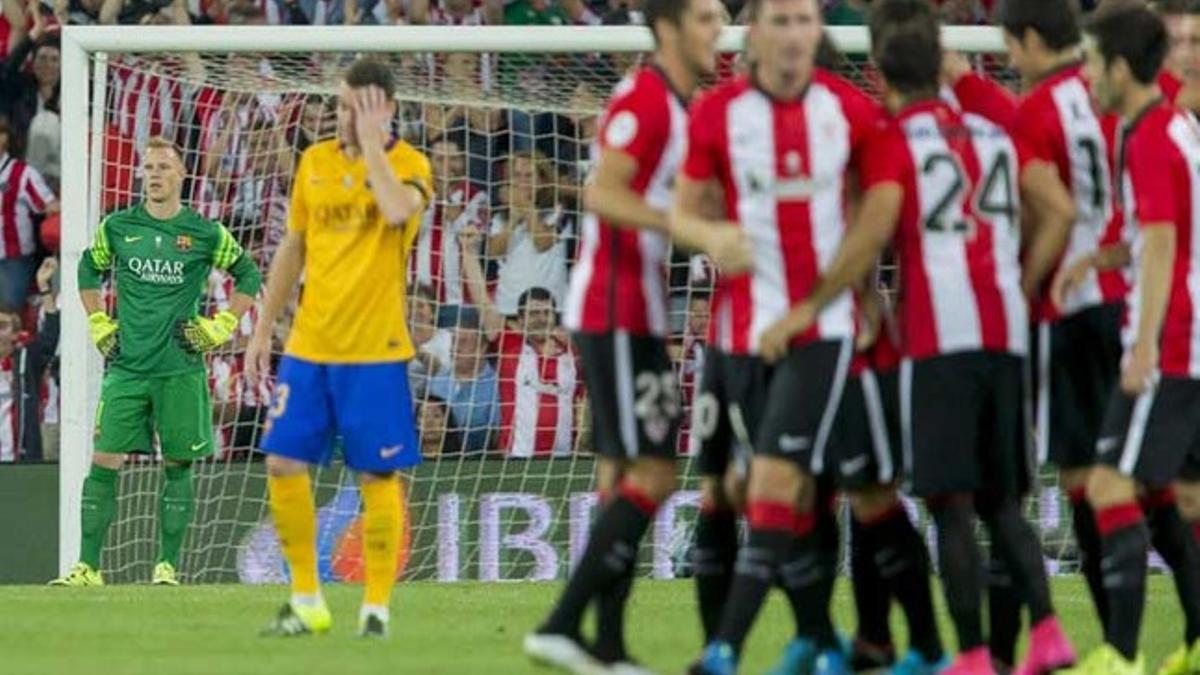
(368, 405)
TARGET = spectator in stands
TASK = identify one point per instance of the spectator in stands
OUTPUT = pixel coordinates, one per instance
(23, 364)
(144, 12)
(451, 12)
(433, 416)
(961, 12)
(317, 122)
(260, 196)
(78, 12)
(431, 342)
(468, 384)
(578, 13)
(845, 12)
(337, 12)
(525, 235)
(23, 187)
(26, 91)
(458, 204)
(540, 394)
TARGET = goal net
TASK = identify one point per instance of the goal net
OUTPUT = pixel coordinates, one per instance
(505, 491)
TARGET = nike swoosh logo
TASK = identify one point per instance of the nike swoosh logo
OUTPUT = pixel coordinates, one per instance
(130, 240)
(199, 445)
(390, 451)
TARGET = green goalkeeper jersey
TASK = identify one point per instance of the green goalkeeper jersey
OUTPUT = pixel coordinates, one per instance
(161, 270)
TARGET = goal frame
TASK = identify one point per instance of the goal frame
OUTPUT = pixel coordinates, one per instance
(84, 83)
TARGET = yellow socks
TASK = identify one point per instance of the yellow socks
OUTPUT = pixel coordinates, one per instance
(295, 517)
(381, 539)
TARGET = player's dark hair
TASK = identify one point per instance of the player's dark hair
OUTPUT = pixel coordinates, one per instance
(1133, 33)
(1053, 20)
(369, 71)
(533, 294)
(906, 45)
(670, 11)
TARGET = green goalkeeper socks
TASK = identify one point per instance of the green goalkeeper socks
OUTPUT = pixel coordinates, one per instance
(174, 511)
(98, 507)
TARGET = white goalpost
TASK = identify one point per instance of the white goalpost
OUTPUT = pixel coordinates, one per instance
(473, 514)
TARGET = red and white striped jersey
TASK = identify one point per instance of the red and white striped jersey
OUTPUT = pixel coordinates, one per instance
(1159, 161)
(143, 102)
(619, 281)
(1057, 123)
(9, 450)
(782, 166)
(958, 238)
(538, 389)
(23, 192)
(436, 258)
(1169, 84)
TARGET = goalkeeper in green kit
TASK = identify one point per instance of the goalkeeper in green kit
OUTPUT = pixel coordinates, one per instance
(160, 254)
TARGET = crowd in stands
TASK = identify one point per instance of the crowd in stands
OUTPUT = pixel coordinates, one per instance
(495, 373)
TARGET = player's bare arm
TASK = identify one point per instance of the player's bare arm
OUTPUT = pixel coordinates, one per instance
(724, 241)
(284, 274)
(1154, 281)
(1053, 214)
(856, 258)
(610, 197)
(398, 201)
(1111, 257)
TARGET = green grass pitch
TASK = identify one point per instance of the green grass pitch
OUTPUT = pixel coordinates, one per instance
(466, 628)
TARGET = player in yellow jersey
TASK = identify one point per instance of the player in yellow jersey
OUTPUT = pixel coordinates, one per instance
(356, 206)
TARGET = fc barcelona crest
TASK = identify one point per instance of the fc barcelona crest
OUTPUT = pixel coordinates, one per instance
(184, 243)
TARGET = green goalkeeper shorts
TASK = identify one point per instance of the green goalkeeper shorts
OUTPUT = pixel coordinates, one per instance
(133, 407)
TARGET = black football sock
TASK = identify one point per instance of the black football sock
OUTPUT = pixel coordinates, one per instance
(610, 621)
(1016, 542)
(961, 565)
(610, 555)
(808, 574)
(903, 561)
(1173, 540)
(1125, 542)
(757, 565)
(872, 595)
(713, 558)
(1004, 612)
(1087, 538)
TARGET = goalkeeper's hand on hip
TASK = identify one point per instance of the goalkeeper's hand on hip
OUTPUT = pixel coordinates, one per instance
(199, 335)
(103, 329)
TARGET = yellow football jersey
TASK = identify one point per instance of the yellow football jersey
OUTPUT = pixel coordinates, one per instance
(353, 303)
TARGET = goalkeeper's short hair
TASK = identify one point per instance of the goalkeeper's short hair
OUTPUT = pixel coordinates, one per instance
(162, 142)
(369, 71)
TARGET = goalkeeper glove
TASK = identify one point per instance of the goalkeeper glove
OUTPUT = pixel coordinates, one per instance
(104, 333)
(199, 335)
